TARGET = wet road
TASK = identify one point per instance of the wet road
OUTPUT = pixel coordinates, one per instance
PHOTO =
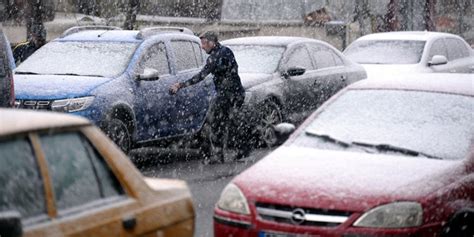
(205, 181)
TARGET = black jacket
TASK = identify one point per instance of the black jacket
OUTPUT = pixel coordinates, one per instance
(23, 51)
(221, 63)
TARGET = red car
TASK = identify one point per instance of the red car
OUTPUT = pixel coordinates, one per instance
(391, 157)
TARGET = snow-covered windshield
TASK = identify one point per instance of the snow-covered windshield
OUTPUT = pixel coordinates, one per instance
(257, 58)
(385, 51)
(440, 125)
(105, 59)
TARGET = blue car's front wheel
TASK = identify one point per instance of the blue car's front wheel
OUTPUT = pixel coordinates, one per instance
(118, 132)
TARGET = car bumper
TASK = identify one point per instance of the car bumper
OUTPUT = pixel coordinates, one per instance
(226, 224)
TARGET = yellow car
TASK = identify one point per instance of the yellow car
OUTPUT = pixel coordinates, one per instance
(61, 176)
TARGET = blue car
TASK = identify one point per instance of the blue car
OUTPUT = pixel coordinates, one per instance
(119, 79)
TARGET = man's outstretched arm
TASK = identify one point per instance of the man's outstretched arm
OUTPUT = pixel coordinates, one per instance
(206, 70)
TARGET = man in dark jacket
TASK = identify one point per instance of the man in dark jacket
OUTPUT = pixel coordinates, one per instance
(36, 39)
(230, 93)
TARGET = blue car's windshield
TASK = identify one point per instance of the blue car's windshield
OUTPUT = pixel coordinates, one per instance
(84, 58)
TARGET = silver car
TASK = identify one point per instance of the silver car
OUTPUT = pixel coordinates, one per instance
(286, 78)
(395, 53)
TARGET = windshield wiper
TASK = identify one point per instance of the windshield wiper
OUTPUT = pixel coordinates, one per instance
(388, 147)
(75, 74)
(326, 137)
(27, 73)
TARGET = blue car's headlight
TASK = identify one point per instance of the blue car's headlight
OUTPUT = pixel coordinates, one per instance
(72, 105)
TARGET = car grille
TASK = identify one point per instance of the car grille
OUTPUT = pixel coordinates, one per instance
(301, 215)
(33, 104)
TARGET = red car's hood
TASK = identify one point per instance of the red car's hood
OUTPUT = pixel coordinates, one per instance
(348, 181)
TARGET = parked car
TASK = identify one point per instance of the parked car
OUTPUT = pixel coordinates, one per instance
(286, 78)
(7, 64)
(411, 52)
(61, 176)
(390, 157)
(119, 79)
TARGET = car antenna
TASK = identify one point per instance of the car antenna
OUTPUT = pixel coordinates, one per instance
(75, 17)
(99, 35)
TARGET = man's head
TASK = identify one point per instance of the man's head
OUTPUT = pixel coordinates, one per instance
(208, 40)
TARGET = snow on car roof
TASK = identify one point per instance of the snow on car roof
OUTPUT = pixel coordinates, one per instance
(18, 121)
(103, 35)
(405, 35)
(452, 83)
(266, 40)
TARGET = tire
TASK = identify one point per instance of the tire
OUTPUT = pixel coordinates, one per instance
(118, 132)
(267, 118)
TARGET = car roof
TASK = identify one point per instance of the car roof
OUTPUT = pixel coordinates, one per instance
(406, 35)
(451, 83)
(18, 121)
(134, 36)
(103, 35)
(267, 40)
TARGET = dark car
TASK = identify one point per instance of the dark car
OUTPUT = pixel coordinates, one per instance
(286, 78)
(392, 157)
(119, 79)
(7, 64)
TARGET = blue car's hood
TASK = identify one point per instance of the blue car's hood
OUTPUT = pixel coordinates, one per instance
(50, 87)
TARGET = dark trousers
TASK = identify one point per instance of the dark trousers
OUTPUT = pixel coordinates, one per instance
(222, 120)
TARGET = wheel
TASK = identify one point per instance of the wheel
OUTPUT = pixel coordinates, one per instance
(268, 117)
(118, 132)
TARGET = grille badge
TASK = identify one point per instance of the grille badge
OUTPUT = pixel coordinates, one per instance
(298, 216)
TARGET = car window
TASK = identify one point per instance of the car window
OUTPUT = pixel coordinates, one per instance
(438, 48)
(257, 58)
(456, 49)
(199, 54)
(337, 59)
(323, 56)
(183, 50)
(21, 186)
(108, 183)
(74, 171)
(156, 58)
(300, 58)
(324, 59)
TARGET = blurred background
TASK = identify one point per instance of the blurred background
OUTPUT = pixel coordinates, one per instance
(338, 22)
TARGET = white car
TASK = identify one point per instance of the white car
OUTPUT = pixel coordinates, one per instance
(411, 51)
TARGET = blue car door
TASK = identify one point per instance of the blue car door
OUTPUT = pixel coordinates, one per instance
(193, 101)
(154, 106)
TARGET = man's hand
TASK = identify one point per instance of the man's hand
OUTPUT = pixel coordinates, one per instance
(175, 88)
